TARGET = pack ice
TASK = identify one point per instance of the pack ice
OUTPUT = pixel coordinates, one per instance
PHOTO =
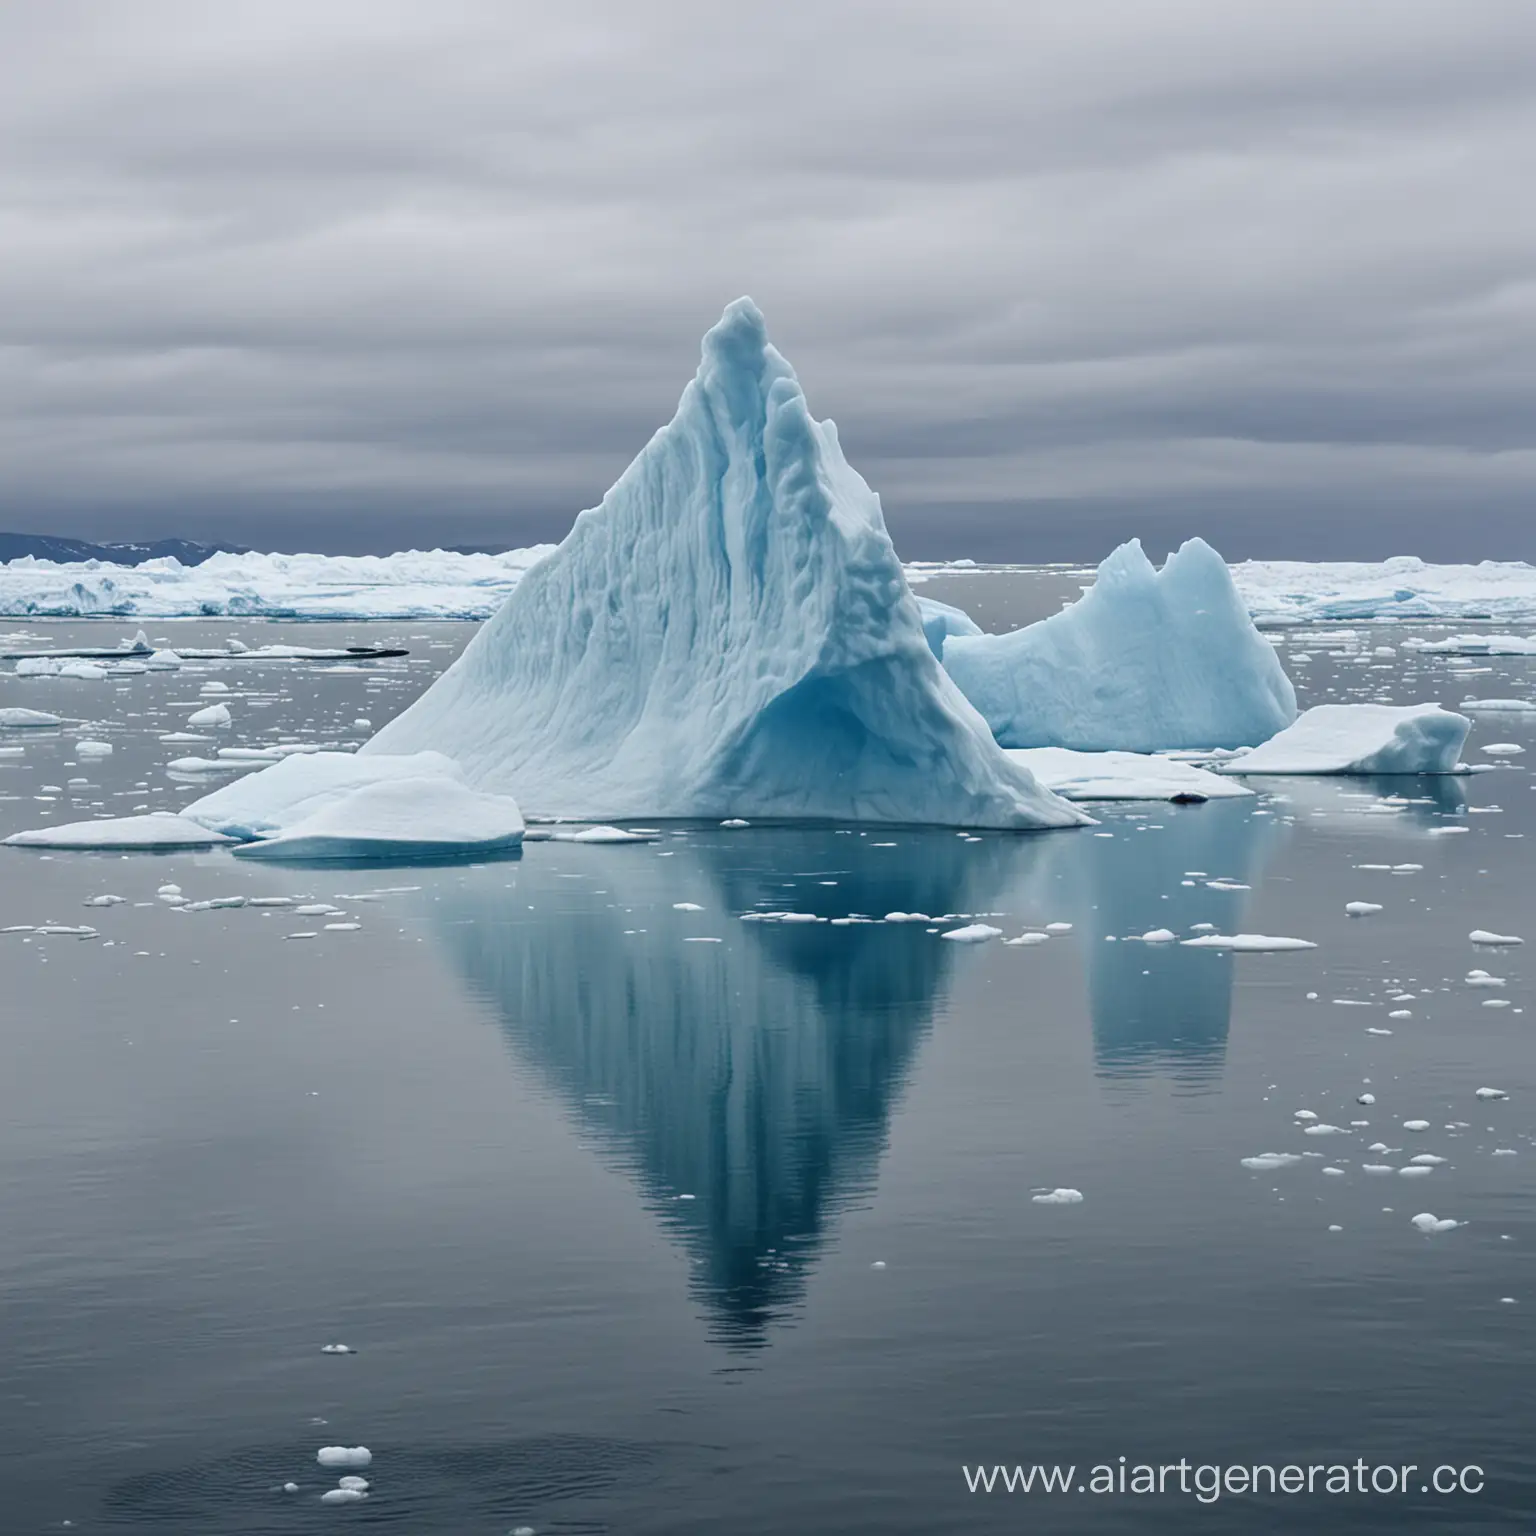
(1362, 738)
(1144, 661)
(728, 634)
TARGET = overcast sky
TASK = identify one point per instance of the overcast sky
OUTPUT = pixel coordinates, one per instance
(362, 275)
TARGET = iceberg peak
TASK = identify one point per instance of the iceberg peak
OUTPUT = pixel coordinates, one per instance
(728, 633)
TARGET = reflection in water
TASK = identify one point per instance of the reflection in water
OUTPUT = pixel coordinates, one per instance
(755, 1075)
(1395, 805)
(1160, 1008)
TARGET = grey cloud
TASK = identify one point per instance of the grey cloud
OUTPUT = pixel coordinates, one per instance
(367, 273)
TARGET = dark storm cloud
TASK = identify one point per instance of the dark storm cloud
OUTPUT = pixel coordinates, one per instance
(356, 274)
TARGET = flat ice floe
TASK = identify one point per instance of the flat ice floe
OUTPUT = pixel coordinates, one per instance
(1493, 940)
(1247, 943)
(27, 719)
(1475, 645)
(400, 818)
(1361, 739)
(1145, 660)
(1122, 775)
(729, 634)
(124, 832)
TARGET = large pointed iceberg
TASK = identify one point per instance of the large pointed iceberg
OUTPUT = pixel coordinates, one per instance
(1144, 661)
(728, 634)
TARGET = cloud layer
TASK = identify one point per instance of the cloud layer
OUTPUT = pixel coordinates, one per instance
(366, 273)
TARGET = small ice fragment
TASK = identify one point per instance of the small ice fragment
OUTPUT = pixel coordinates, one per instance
(878, 1264)
(735, 821)
(1059, 1197)
(1483, 936)
(344, 1456)
(1426, 1222)
(1337, 1173)
(1365, 1098)
(214, 714)
(1376, 1168)
(1267, 1161)
(1491, 1093)
(1427, 1160)
(973, 933)
(335, 1349)
(1325, 1129)
(1361, 908)
(353, 1481)
(686, 906)
(93, 749)
(1412, 1172)
(1247, 943)
(1159, 936)
(1058, 927)
(362, 723)
(103, 901)
(1304, 1114)
(1415, 1125)
(342, 1496)
(1028, 939)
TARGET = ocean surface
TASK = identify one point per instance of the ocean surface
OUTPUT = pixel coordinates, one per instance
(637, 1217)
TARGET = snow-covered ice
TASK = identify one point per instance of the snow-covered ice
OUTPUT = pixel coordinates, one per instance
(344, 1456)
(728, 634)
(27, 719)
(1405, 587)
(1426, 1221)
(973, 933)
(1145, 660)
(1361, 739)
(1059, 1197)
(1122, 775)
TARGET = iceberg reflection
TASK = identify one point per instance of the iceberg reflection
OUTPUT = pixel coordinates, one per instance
(746, 1084)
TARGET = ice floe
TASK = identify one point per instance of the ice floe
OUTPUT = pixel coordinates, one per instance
(1361, 739)
(1122, 775)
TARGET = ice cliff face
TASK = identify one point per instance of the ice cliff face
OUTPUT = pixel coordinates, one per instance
(728, 634)
(1144, 661)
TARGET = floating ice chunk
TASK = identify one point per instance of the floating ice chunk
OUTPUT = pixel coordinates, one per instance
(1499, 706)
(1304, 1114)
(1059, 1197)
(1025, 940)
(1055, 928)
(735, 821)
(1336, 1173)
(336, 1349)
(1159, 936)
(426, 818)
(1474, 645)
(1265, 1162)
(1415, 1125)
(1491, 1093)
(343, 1496)
(1247, 943)
(1483, 936)
(729, 633)
(103, 901)
(686, 906)
(27, 719)
(1413, 1172)
(1361, 739)
(1427, 1160)
(344, 1456)
(1361, 908)
(1365, 1098)
(1483, 979)
(156, 830)
(93, 749)
(1377, 1168)
(1324, 1129)
(601, 835)
(1426, 1222)
(907, 917)
(213, 714)
(1503, 749)
(973, 933)
(1145, 660)
(1122, 776)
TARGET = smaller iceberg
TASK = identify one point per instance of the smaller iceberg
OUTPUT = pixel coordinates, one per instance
(298, 788)
(1362, 738)
(940, 621)
(1144, 661)
(27, 719)
(426, 818)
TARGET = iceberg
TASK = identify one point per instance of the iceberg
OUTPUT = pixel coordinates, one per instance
(1145, 661)
(728, 634)
(1362, 738)
(1122, 775)
(403, 818)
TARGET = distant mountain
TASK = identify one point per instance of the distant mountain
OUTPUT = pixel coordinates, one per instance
(41, 546)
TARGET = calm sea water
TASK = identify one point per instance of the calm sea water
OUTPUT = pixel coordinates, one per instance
(635, 1233)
